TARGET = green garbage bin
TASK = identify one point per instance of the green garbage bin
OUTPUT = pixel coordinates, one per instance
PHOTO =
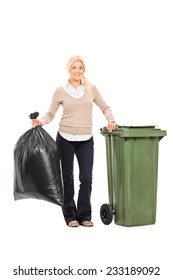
(132, 169)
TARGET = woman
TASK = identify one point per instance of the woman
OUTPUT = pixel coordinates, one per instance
(75, 138)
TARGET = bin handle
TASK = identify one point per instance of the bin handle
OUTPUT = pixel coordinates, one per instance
(106, 130)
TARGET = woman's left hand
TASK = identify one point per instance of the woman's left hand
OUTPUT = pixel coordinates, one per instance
(111, 126)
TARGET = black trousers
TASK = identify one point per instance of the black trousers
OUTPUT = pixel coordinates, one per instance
(84, 152)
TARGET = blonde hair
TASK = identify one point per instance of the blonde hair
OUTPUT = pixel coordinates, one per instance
(70, 62)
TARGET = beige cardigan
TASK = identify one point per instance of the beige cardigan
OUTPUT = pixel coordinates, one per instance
(77, 113)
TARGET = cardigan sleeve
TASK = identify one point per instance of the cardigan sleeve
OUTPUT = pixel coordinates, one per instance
(53, 108)
(99, 101)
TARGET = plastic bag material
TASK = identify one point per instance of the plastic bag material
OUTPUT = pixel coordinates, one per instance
(37, 167)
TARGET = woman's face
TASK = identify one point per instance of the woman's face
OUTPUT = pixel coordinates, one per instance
(76, 71)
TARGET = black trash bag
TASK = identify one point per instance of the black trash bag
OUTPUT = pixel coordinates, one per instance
(37, 167)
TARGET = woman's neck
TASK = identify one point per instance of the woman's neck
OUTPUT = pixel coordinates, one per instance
(74, 83)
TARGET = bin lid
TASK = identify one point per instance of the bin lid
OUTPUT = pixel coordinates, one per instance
(135, 131)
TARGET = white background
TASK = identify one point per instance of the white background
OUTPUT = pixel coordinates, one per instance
(128, 50)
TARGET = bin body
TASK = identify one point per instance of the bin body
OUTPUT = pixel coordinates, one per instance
(132, 169)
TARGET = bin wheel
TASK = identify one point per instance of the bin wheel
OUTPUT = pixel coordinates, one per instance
(106, 214)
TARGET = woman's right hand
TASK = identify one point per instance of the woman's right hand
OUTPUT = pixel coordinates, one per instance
(35, 122)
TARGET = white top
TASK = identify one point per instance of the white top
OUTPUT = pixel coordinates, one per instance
(77, 93)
